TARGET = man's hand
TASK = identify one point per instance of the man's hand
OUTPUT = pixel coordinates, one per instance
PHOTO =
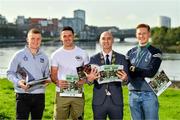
(122, 75)
(46, 82)
(81, 82)
(62, 84)
(22, 84)
(93, 75)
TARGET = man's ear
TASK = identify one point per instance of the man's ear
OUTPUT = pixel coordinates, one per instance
(149, 34)
(27, 40)
(60, 38)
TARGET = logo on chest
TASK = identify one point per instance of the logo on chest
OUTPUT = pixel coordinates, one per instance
(78, 58)
(25, 58)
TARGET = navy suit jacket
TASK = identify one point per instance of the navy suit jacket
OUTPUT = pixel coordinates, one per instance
(99, 94)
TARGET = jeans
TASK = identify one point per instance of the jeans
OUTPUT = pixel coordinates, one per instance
(143, 105)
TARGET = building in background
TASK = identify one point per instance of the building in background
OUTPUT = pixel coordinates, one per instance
(77, 22)
(51, 27)
(80, 14)
(2, 20)
(164, 21)
(48, 27)
(20, 20)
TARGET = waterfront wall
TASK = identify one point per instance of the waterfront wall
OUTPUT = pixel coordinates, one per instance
(175, 84)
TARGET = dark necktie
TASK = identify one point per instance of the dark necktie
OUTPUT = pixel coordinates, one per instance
(107, 60)
(107, 85)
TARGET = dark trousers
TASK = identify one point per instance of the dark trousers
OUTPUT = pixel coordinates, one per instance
(108, 108)
(29, 104)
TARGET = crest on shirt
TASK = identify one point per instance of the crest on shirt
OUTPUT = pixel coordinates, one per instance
(78, 58)
(25, 58)
(148, 57)
(42, 60)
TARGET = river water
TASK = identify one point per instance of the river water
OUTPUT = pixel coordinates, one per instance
(170, 66)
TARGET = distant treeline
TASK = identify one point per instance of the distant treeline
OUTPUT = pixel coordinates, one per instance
(167, 39)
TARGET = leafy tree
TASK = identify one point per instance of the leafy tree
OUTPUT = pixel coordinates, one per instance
(167, 39)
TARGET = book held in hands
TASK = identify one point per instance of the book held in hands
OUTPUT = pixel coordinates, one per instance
(83, 70)
(32, 83)
(108, 73)
(159, 83)
(73, 89)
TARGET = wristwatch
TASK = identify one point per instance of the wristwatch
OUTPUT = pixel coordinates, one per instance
(132, 68)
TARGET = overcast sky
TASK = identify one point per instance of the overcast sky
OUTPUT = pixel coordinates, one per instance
(120, 13)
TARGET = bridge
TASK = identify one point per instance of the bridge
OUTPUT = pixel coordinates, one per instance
(121, 34)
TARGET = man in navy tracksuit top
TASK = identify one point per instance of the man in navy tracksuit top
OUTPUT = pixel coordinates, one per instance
(144, 61)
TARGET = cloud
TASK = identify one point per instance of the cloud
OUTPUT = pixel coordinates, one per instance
(132, 17)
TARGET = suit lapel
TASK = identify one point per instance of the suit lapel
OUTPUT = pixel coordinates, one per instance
(100, 59)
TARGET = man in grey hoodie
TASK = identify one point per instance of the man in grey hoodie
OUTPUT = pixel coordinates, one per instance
(29, 65)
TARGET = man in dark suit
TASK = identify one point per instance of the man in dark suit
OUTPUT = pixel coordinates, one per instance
(107, 97)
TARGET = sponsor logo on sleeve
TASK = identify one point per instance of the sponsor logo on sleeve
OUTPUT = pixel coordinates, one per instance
(157, 55)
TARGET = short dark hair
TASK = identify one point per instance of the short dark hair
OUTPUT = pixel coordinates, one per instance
(142, 25)
(68, 28)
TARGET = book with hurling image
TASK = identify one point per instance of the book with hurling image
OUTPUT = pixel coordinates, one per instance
(108, 73)
(159, 83)
(73, 89)
(83, 70)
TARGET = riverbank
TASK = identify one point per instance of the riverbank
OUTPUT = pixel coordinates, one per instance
(175, 84)
(171, 56)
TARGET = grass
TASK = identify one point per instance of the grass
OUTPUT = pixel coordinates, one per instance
(169, 102)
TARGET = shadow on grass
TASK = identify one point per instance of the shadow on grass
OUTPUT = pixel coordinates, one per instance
(3, 116)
